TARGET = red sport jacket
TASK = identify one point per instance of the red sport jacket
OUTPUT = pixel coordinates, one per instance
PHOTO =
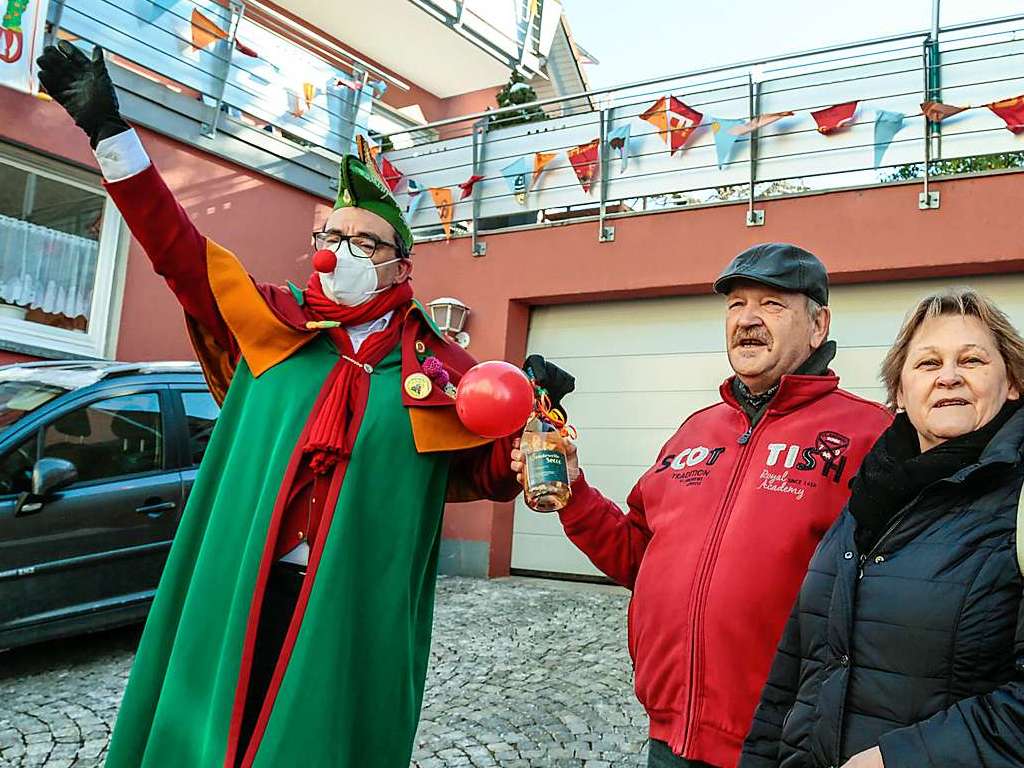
(714, 547)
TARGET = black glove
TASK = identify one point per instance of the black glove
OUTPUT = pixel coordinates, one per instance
(83, 88)
(549, 377)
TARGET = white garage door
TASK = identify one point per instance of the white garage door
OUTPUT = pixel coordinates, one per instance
(643, 366)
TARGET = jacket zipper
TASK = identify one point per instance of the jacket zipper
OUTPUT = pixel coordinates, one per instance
(704, 574)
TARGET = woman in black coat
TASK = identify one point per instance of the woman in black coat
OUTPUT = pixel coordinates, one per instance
(906, 645)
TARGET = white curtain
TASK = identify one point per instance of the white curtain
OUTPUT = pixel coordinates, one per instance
(42, 268)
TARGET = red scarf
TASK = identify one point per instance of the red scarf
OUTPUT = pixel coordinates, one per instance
(328, 438)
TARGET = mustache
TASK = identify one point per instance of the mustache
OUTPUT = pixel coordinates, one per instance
(751, 334)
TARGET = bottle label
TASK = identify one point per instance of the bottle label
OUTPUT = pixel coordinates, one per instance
(547, 467)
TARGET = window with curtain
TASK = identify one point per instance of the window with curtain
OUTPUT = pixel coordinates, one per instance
(57, 254)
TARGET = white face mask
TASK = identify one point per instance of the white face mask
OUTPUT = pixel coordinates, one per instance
(354, 280)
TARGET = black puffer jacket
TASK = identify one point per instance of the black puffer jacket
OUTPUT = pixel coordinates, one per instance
(916, 646)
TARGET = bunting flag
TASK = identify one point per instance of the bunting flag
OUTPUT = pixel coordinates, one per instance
(416, 197)
(468, 184)
(722, 128)
(540, 162)
(675, 121)
(391, 175)
(936, 111)
(758, 122)
(309, 92)
(887, 125)
(345, 82)
(618, 139)
(1012, 112)
(243, 48)
(204, 31)
(515, 176)
(584, 159)
(833, 119)
(379, 87)
(443, 202)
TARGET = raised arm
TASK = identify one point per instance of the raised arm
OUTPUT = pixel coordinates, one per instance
(167, 235)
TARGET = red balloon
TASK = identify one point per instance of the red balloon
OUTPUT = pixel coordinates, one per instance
(494, 399)
(325, 260)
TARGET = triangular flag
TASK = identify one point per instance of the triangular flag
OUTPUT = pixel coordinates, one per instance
(309, 93)
(205, 31)
(540, 162)
(682, 122)
(758, 122)
(345, 82)
(1012, 112)
(832, 119)
(416, 197)
(584, 161)
(391, 175)
(378, 86)
(532, 10)
(468, 184)
(618, 140)
(887, 125)
(936, 111)
(443, 202)
(515, 176)
(243, 48)
(674, 120)
(724, 137)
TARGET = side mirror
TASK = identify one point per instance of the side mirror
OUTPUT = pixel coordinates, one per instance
(48, 475)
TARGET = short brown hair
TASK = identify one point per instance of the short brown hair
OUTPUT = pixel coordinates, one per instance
(966, 303)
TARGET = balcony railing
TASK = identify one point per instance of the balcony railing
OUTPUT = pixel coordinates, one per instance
(250, 68)
(967, 65)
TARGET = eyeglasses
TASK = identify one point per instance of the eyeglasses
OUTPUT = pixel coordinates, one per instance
(360, 246)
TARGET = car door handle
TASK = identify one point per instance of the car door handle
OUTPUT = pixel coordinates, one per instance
(155, 510)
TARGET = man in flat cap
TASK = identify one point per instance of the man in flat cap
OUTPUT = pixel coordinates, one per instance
(719, 531)
(292, 623)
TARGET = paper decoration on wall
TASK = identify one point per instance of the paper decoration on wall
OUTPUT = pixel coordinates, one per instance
(468, 184)
(443, 202)
(758, 122)
(540, 162)
(725, 138)
(887, 125)
(833, 119)
(936, 111)
(675, 121)
(618, 141)
(416, 197)
(515, 176)
(1012, 112)
(584, 159)
(391, 175)
(205, 31)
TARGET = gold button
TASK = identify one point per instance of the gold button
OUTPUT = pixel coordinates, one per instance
(301, 535)
(420, 347)
(418, 386)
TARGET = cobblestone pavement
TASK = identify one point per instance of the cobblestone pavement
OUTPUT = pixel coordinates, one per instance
(523, 673)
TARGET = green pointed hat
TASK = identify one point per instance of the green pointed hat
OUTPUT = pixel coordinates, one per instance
(361, 186)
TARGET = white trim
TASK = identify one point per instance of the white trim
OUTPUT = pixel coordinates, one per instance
(97, 341)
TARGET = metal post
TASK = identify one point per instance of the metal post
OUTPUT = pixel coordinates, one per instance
(51, 34)
(934, 82)
(605, 234)
(479, 140)
(927, 199)
(755, 218)
(237, 12)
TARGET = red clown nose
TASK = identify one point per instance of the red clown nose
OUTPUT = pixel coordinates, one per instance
(325, 261)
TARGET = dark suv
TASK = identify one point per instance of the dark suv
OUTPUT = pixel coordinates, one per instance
(96, 462)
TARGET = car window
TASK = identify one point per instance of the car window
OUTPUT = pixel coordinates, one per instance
(201, 415)
(16, 467)
(110, 438)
